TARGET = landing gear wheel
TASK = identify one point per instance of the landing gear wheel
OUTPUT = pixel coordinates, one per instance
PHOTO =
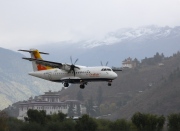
(109, 84)
(66, 84)
(82, 86)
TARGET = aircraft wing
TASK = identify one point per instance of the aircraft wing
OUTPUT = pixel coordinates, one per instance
(71, 79)
(116, 69)
(46, 63)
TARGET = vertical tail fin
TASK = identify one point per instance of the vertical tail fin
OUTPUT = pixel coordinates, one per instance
(35, 54)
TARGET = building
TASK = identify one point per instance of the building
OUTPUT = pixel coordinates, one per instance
(50, 102)
(128, 63)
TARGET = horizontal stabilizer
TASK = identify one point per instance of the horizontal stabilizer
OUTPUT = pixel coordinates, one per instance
(30, 51)
(45, 63)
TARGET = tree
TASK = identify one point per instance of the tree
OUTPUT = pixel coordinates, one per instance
(160, 123)
(3, 121)
(14, 124)
(60, 117)
(120, 125)
(68, 125)
(148, 122)
(32, 126)
(138, 120)
(174, 122)
(86, 123)
(59, 122)
(103, 124)
(53, 126)
(36, 116)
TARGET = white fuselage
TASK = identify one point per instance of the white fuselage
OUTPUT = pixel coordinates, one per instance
(101, 73)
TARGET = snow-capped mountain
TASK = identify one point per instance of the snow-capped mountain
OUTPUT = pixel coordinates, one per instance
(118, 45)
(140, 34)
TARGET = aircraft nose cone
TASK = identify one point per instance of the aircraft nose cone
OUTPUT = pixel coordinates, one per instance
(115, 75)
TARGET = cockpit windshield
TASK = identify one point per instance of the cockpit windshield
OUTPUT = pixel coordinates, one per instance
(106, 69)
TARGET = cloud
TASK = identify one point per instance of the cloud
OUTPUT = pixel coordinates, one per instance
(36, 22)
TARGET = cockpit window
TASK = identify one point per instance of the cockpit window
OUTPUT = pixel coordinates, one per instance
(109, 69)
(106, 69)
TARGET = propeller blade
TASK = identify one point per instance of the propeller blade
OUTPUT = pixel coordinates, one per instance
(107, 63)
(72, 66)
(77, 67)
(75, 61)
(101, 63)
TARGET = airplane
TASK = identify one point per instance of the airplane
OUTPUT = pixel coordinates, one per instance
(68, 73)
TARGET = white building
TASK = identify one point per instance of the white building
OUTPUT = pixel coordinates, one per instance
(50, 102)
(128, 63)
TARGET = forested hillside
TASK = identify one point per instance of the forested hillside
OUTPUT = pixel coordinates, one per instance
(151, 87)
(162, 99)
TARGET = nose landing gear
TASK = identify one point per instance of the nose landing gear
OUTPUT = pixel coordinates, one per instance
(109, 82)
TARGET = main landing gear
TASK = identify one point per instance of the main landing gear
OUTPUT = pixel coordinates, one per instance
(82, 84)
(66, 84)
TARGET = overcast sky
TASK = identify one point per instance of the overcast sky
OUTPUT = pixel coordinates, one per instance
(33, 22)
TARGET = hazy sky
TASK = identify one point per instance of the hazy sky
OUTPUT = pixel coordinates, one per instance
(31, 22)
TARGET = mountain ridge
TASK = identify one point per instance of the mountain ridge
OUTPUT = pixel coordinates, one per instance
(116, 51)
(150, 88)
(15, 83)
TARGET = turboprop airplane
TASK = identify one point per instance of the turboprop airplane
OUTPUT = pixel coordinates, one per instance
(68, 73)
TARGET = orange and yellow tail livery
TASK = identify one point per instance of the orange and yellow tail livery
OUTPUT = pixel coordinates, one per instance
(35, 54)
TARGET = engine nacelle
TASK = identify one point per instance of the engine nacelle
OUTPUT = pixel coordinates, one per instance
(66, 67)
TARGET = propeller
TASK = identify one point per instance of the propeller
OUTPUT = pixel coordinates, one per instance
(72, 66)
(106, 63)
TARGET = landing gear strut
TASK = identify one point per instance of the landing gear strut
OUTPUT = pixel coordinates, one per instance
(66, 84)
